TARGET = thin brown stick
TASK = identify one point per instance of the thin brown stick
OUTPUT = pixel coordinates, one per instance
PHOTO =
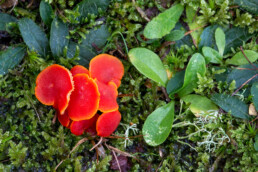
(241, 48)
(116, 160)
(190, 31)
(246, 82)
(54, 119)
(96, 145)
(119, 137)
(245, 68)
(141, 12)
(121, 152)
(77, 144)
(164, 91)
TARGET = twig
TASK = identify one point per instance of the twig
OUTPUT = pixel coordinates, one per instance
(34, 107)
(142, 13)
(77, 144)
(96, 145)
(190, 31)
(244, 84)
(54, 119)
(216, 162)
(241, 48)
(121, 152)
(165, 94)
(116, 160)
(245, 68)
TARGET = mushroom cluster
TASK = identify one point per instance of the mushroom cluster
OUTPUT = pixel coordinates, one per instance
(85, 100)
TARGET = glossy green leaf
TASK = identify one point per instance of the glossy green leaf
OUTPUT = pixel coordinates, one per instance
(241, 76)
(10, 58)
(231, 104)
(195, 65)
(163, 23)
(46, 12)
(200, 104)
(158, 125)
(175, 35)
(254, 92)
(235, 37)
(175, 83)
(208, 37)
(58, 37)
(220, 40)
(87, 7)
(239, 58)
(149, 64)
(5, 19)
(96, 38)
(211, 55)
(249, 5)
(33, 36)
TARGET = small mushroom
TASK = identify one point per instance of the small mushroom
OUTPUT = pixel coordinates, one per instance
(107, 123)
(78, 69)
(108, 95)
(106, 68)
(84, 101)
(54, 86)
(64, 119)
(79, 127)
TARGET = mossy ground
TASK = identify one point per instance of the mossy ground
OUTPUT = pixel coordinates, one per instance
(31, 141)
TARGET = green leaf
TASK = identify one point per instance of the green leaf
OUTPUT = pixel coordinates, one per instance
(10, 58)
(175, 83)
(241, 76)
(158, 125)
(33, 36)
(5, 19)
(196, 65)
(175, 35)
(87, 7)
(95, 38)
(235, 37)
(211, 55)
(254, 92)
(220, 40)
(231, 104)
(200, 104)
(208, 38)
(46, 12)
(58, 41)
(249, 5)
(149, 64)
(163, 23)
(239, 58)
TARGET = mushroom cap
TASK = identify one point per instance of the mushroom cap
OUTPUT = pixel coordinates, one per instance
(63, 119)
(78, 127)
(106, 68)
(54, 86)
(108, 95)
(78, 69)
(84, 100)
(107, 123)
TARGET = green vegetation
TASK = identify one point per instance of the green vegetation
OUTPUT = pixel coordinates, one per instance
(193, 81)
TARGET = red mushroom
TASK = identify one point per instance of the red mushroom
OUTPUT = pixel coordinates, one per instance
(84, 101)
(54, 86)
(108, 95)
(107, 123)
(79, 127)
(78, 69)
(106, 68)
(64, 119)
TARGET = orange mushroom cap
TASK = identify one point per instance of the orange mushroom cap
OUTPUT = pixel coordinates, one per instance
(108, 94)
(54, 86)
(78, 69)
(84, 101)
(64, 119)
(78, 127)
(107, 123)
(106, 68)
